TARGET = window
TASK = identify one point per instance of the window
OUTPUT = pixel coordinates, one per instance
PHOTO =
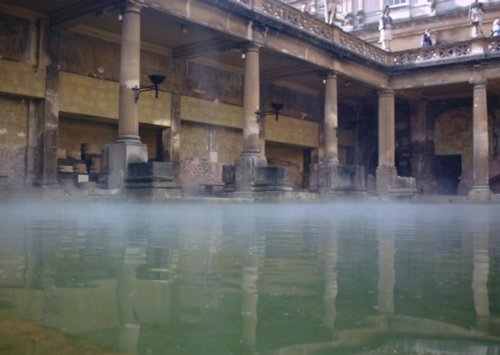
(397, 2)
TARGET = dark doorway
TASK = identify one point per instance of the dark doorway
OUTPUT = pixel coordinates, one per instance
(451, 169)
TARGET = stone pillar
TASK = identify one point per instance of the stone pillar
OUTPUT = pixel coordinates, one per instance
(418, 138)
(34, 113)
(175, 132)
(49, 126)
(480, 189)
(325, 174)
(130, 73)
(251, 101)
(251, 157)
(386, 170)
(331, 120)
(128, 147)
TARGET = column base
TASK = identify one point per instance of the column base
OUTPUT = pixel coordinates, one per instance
(385, 176)
(244, 170)
(128, 139)
(330, 177)
(480, 194)
(116, 158)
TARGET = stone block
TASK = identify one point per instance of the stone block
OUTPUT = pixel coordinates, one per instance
(245, 168)
(152, 169)
(330, 178)
(115, 160)
(271, 178)
(152, 175)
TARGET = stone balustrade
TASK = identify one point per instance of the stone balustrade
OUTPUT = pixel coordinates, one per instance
(438, 54)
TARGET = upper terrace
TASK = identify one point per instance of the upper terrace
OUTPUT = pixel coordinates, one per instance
(296, 45)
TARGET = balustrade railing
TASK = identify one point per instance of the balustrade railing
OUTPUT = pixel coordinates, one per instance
(433, 53)
(493, 45)
(429, 55)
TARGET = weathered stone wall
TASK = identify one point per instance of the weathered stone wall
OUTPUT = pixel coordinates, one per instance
(74, 132)
(211, 109)
(196, 171)
(294, 170)
(14, 38)
(13, 141)
(296, 104)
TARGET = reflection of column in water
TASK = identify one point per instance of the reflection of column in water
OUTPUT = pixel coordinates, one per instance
(135, 254)
(331, 286)
(250, 294)
(214, 242)
(481, 269)
(386, 278)
(46, 246)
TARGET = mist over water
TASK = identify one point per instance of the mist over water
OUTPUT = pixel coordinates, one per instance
(250, 278)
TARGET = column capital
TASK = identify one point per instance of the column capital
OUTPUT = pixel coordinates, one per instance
(250, 47)
(132, 6)
(329, 74)
(478, 82)
(386, 92)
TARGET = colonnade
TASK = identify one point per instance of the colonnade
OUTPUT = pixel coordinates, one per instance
(132, 150)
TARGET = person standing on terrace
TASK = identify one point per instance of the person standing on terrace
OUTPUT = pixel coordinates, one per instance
(495, 29)
(426, 40)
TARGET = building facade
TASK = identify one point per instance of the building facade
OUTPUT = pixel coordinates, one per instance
(354, 116)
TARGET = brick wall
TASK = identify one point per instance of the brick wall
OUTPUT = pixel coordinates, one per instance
(196, 171)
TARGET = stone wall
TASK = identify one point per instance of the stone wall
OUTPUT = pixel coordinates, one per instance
(196, 171)
(14, 38)
(211, 110)
(13, 141)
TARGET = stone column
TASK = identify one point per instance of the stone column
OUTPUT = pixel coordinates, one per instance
(386, 170)
(418, 138)
(128, 147)
(175, 132)
(49, 126)
(480, 189)
(331, 120)
(325, 174)
(251, 157)
(130, 67)
(251, 101)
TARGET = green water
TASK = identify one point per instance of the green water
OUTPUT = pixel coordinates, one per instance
(250, 279)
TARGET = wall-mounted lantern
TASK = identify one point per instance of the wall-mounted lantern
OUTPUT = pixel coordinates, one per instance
(155, 79)
(277, 107)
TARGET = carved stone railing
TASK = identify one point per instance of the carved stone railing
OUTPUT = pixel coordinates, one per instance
(434, 53)
(493, 45)
(294, 17)
(439, 54)
(361, 47)
(308, 23)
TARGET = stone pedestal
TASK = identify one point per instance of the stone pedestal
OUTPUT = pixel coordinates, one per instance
(115, 160)
(152, 174)
(334, 178)
(385, 176)
(480, 194)
(153, 181)
(271, 178)
(244, 170)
